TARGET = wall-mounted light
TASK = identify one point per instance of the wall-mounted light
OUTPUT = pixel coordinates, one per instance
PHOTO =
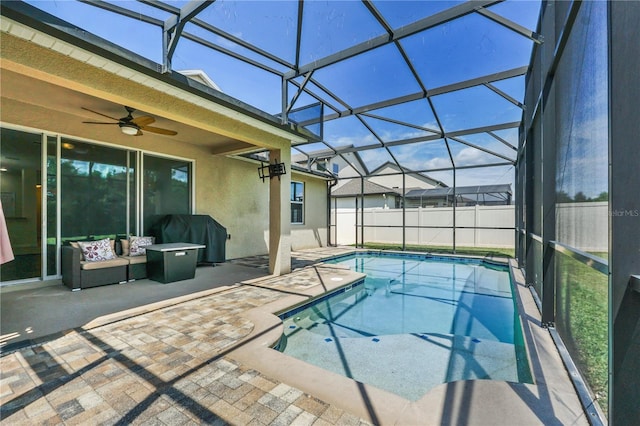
(271, 170)
(67, 145)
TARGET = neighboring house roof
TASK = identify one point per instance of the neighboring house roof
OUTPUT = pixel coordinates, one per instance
(354, 187)
(394, 166)
(201, 77)
(461, 190)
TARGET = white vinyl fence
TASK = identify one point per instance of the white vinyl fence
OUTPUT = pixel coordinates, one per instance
(429, 226)
(585, 226)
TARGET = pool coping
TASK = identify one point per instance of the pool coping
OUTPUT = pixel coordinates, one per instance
(551, 399)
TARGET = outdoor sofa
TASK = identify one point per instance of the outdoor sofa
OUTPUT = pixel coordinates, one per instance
(82, 268)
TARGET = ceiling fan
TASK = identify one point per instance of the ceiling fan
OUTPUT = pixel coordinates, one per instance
(133, 126)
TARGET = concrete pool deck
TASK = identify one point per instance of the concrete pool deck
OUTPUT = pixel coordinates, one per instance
(205, 357)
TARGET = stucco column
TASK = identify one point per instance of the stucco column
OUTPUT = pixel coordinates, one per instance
(280, 216)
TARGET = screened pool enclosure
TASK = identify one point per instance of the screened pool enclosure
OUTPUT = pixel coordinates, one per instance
(416, 105)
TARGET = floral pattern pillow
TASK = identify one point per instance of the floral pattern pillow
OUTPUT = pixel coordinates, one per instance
(95, 251)
(137, 244)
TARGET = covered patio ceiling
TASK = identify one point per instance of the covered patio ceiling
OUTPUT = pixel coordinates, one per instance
(431, 86)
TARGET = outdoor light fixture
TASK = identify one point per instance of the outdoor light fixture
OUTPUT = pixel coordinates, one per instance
(129, 129)
(271, 170)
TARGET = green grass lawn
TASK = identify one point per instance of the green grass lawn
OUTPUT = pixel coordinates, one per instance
(478, 251)
(582, 320)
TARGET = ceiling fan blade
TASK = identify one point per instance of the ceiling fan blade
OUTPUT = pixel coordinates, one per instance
(99, 113)
(97, 122)
(143, 120)
(158, 130)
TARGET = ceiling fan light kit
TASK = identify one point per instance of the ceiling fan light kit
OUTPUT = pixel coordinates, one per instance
(129, 129)
(132, 126)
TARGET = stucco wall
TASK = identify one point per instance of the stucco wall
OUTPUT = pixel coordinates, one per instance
(313, 233)
(230, 191)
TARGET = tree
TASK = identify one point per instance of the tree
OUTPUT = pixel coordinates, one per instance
(563, 197)
(580, 197)
(604, 196)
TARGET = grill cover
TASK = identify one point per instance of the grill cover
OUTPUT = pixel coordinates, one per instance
(197, 229)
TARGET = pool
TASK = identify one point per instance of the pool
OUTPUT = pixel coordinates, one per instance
(414, 322)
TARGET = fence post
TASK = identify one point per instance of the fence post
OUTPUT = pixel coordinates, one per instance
(420, 225)
(476, 212)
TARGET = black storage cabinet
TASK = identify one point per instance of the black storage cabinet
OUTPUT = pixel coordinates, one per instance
(167, 263)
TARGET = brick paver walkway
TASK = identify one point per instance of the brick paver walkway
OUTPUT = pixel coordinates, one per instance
(162, 367)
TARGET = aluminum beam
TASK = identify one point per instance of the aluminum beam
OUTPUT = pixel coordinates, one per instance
(462, 141)
(531, 35)
(498, 138)
(504, 95)
(399, 122)
(436, 137)
(173, 26)
(123, 11)
(299, 92)
(406, 31)
(515, 72)
(240, 42)
(230, 53)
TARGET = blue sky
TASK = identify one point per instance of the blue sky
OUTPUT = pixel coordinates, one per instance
(466, 48)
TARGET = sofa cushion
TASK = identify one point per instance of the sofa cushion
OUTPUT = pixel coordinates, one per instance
(136, 245)
(125, 247)
(135, 259)
(103, 264)
(97, 251)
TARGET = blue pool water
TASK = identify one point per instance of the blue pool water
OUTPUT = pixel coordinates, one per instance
(413, 323)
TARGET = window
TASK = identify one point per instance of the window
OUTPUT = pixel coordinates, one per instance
(297, 202)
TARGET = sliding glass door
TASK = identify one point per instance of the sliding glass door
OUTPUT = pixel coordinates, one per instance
(89, 191)
(166, 188)
(94, 193)
(21, 195)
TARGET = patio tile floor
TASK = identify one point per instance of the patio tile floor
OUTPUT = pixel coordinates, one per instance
(203, 358)
(166, 366)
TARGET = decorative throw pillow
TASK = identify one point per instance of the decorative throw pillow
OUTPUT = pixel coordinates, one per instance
(137, 244)
(95, 251)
